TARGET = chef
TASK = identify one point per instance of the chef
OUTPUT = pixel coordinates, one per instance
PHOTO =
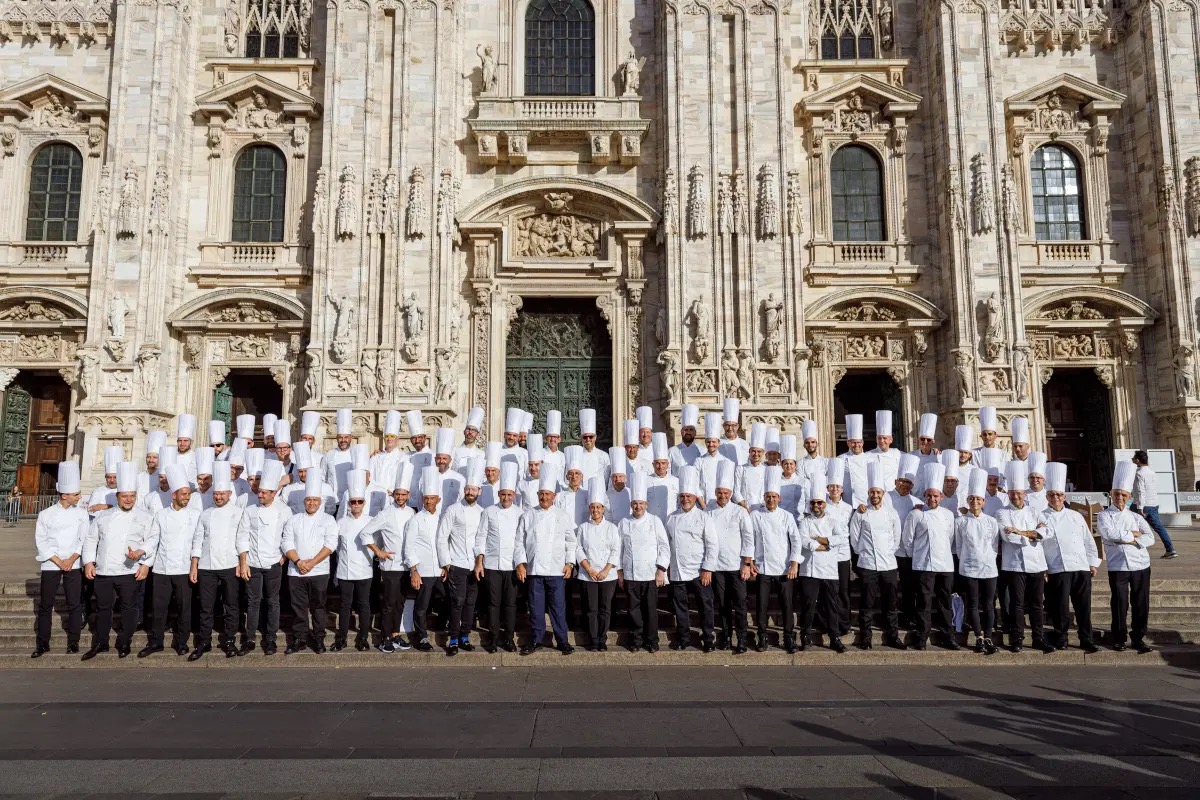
(594, 463)
(58, 542)
(531, 474)
(490, 491)
(1071, 561)
(456, 535)
(551, 441)
(618, 488)
(645, 554)
(354, 566)
(185, 435)
(977, 544)
(217, 566)
(1023, 560)
(662, 488)
(420, 554)
(205, 458)
(294, 494)
(245, 429)
(283, 451)
(1127, 540)
(750, 475)
(169, 555)
(633, 452)
(1021, 446)
(988, 435)
(837, 508)
(733, 447)
(875, 537)
(544, 554)
(793, 487)
(821, 538)
(386, 463)
(687, 451)
(336, 464)
(216, 439)
(776, 561)
(928, 536)
(147, 479)
(883, 452)
(452, 481)
(573, 497)
(926, 433)
(903, 499)
(260, 536)
(1035, 498)
(712, 457)
(812, 464)
(495, 545)
(692, 537)
(384, 536)
(268, 426)
(598, 553)
(472, 444)
(645, 421)
(856, 460)
(309, 538)
(735, 545)
(105, 497)
(513, 422)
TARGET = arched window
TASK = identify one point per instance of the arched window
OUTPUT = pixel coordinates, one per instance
(560, 48)
(857, 192)
(55, 187)
(1057, 199)
(259, 189)
(848, 29)
(273, 29)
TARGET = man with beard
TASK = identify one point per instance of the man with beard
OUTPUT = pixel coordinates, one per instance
(495, 546)
(735, 547)
(217, 566)
(456, 535)
(692, 537)
(687, 451)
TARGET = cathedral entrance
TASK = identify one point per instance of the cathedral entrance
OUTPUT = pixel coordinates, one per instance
(559, 355)
(36, 410)
(865, 391)
(1079, 427)
(247, 392)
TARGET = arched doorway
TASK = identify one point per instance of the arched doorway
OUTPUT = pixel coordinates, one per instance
(1078, 418)
(37, 406)
(247, 391)
(865, 391)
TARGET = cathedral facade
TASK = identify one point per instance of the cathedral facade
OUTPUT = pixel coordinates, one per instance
(818, 207)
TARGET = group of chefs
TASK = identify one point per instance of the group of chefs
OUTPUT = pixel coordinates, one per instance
(714, 519)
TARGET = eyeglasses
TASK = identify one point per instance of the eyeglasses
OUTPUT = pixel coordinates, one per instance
(357, 502)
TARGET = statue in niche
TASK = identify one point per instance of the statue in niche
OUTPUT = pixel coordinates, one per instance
(487, 66)
(631, 74)
(118, 310)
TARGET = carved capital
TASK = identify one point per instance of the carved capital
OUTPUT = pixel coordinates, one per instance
(7, 374)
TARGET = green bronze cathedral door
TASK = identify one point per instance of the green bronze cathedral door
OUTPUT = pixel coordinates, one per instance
(559, 355)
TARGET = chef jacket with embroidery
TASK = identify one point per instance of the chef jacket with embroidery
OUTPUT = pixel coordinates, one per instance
(545, 541)
(354, 558)
(1124, 552)
(777, 541)
(599, 544)
(214, 541)
(60, 532)
(735, 536)
(420, 544)
(928, 535)
(1071, 548)
(307, 534)
(386, 531)
(496, 537)
(977, 543)
(383, 467)
(793, 495)
(261, 534)
(692, 537)
(111, 535)
(644, 547)
(169, 545)
(594, 464)
(1017, 553)
(875, 536)
(818, 563)
(456, 535)
(463, 455)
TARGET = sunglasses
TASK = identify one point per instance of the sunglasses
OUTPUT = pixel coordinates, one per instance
(357, 502)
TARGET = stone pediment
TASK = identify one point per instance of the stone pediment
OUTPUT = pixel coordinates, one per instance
(1099, 305)
(50, 101)
(224, 102)
(1091, 98)
(891, 100)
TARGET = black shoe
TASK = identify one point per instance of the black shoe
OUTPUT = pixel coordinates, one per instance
(864, 640)
(319, 647)
(740, 647)
(566, 649)
(150, 650)
(248, 646)
(1119, 647)
(199, 652)
(362, 645)
(1089, 648)
(1142, 648)
(490, 649)
(979, 645)
(679, 644)
(295, 647)
(123, 651)
(1170, 554)
(465, 645)
(762, 645)
(508, 646)
(338, 645)
(706, 646)
(789, 645)
(73, 648)
(652, 647)
(181, 650)
(724, 643)
(1016, 647)
(591, 648)
(951, 643)
(424, 647)
(40, 650)
(94, 651)
(920, 645)
(989, 647)
(269, 648)
(895, 642)
(452, 648)
(530, 649)
(1045, 647)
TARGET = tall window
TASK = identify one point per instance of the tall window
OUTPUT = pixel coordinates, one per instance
(1057, 200)
(259, 185)
(55, 186)
(560, 48)
(848, 28)
(857, 180)
(272, 29)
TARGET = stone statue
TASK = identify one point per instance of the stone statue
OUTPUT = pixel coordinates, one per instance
(366, 376)
(418, 211)
(343, 319)
(670, 375)
(445, 366)
(1020, 365)
(699, 318)
(260, 115)
(118, 310)
(346, 214)
(130, 204)
(414, 318)
(661, 334)
(147, 361)
(772, 327)
(487, 65)
(631, 74)
(89, 366)
(697, 203)
(312, 377)
(1185, 371)
(58, 114)
(745, 375)
(993, 341)
(962, 369)
(729, 373)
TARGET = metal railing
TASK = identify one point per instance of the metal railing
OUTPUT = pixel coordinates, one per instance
(26, 506)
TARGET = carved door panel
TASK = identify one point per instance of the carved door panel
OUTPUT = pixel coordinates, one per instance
(222, 406)
(560, 357)
(15, 426)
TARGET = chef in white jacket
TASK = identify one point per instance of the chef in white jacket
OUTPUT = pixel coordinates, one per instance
(489, 493)
(294, 493)
(1023, 560)
(309, 538)
(1127, 540)
(217, 564)
(694, 548)
(812, 463)
(1071, 562)
(594, 461)
(378, 495)
(662, 488)
(335, 466)
(687, 451)
(598, 554)
(185, 437)
(777, 557)
(926, 438)
(456, 534)
(147, 479)
(472, 443)
(883, 453)
(645, 421)
(386, 463)
(821, 538)
(988, 434)
(512, 450)
(618, 485)
(733, 447)
(544, 554)
(260, 535)
(529, 478)
(1035, 497)
(452, 481)
(384, 536)
(113, 553)
(928, 536)
(645, 554)
(354, 565)
(572, 495)
(245, 429)
(837, 481)
(58, 547)
(708, 462)
(977, 545)
(735, 548)
(903, 499)
(169, 556)
(633, 451)
(874, 535)
(420, 554)
(216, 439)
(750, 475)
(310, 425)
(105, 497)
(495, 546)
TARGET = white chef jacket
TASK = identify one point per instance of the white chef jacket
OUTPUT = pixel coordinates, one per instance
(545, 541)
(1071, 548)
(489, 495)
(307, 534)
(527, 489)
(1018, 554)
(60, 532)
(638, 464)
(875, 536)
(335, 468)
(644, 547)
(902, 504)
(111, 534)
(645, 458)
(993, 504)
(735, 536)
(242, 494)
(683, 455)
(156, 501)
(261, 533)
(812, 467)
(556, 460)
(354, 558)
(736, 450)
(452, 488)
(692, 537)
(977, 543)
(386, 531)
(102, 496)
(594, 464)
(618, 505)
(662, 495)
(574, 504)
(377, 500)
(188, 462)
(214, 541)
(889, 462)
(841, 511)
(748, 484)
(518, 455)
(777, 541)
(1123, 552)
(496, 537)
(145, 482)
(598, 544)
(456, 534)
(169, 545)
(928, 536)
(817, 563)
(383, 467)
(293, 496)
(708, 475)
(1036, 500)
(463, 455)
(420, 544)
(793, 495)
(856, 465)
(977, 457)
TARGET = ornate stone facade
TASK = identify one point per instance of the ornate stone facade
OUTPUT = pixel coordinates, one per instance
(691, 197)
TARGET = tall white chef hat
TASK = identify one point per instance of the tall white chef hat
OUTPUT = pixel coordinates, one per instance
(185, 427)
(548, 480)
(177, 478)
(758, 435)
(772, 439)
(731, 409)
(725, 475)
(534, 448)
(597, 494)
(313, 485)
(444, 442)
(1020, 430)
(637, 486)
(949, 460)
(245, 426)
(977, 483)
(416, 422)
(345, 422)
(431, 482)
(617, 463)
(168, 454)
(987, 418)
(475, 418)
(573, 458)
(991, 461)
(1037, 463)
(816, 491)
(216, 431)
(587, 422)
(1056, 477)
(712, 425)
(658, 445)
(772, 480)
(269, 421)
(883, 422)
(391, 423)
(68, 477)
(964, 438)
(1016, 475)
(808, 430)
(113, 454)
(787, 447)
(272, 474)
(302, 455)
(689, 480)
(237, 454)
(256, 457)
(127, 473)
(492, 456)
(360, 456)
(631, 432)
(933, 475)
(475, 475)
(927, 426)
(283, 432)
(222, 477)
(645, 417)
(689, 415)
(205, 457)
(908, 466)
(526, 421)
(554, 422)
(875, 476)
(356, 484)
(512, 420)
(854, 427)
(508, 476)
(835, 473)
(404, 476)
(309, 422)
(155, 440)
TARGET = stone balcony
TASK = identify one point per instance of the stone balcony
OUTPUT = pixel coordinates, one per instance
(1069, 262)
(850, 263)
(45, 262)
(223, 263)
(612, 127)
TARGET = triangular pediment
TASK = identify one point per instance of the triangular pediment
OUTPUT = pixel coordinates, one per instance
(1067, 85)
(292, 101)
(46, 83)
(867, 87)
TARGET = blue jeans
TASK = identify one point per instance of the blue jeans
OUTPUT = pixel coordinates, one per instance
(541, 588)
(1160, 530)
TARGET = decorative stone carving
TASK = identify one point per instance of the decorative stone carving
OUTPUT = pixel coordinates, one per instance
(1073, 25)
(320, 201)
(312, 376)
(7, 375)
(413, 383)
(835, 375)
(857, 116)
(390, 209)
(1129, 342)
(699, 320)
(1077, 346)
(1185, 371)
(147, 371)
(1014, 221)
(800, 357)
(89, 369)
(701, 381)
(241, 312)
(249, 347)
(366, 376)
(414, 327)
(339, 349)
(281, 376)
(631, 75)
(955, 202)
(795, 203)
(1074, 310)
(418, 211)
(373, 209)
(741, 202)
(768, 203)
(1192, 178)
(963, 361)
(993, 381)
(866, 311)
(697, 206)
(669, 195)
(385, 371)
(346, 214)
(865, 347)
(343, 381)
(160, 198)
(773, 382)
(259, 117)
(1106, 375)
(116, 349)
(32, 311)
(668, 362)
(39, 347)
(725, 203)
(661, 330)
(983, 204)
(445, 365)
(129, 206)
(772, 312)
(993, 334)
(745, 373)
(1045, 374)
(729, 374)
(557, 233)
(1020, 367)
(898, 374)
(487, 66)
(447, 204)
(1168, 198)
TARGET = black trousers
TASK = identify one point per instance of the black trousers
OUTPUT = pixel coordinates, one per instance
(783, 587)
(679, 598)
(843, 600)
(502, 604)
(123, 587)
(464, 590)
(309, 594)
(934, 598)
(909, 589)
(1130, 589)
(212, 580)
(1026, 595)
(263, 587)
(1064, 591)
(879, 590)
(643, 610)
(421, 608)
(72, 582)
(820, 594)
(356, 597)
(729, 598)
(980, 604)
(392, 611)
(597, 604)
(165, 589)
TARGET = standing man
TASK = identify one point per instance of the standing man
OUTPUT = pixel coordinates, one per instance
(531, 476)
(821, 540)
(712, 458)
(552, 455)
(751, 475)
(735, 547)
(513, 422)
(645, 553)
(384, 536)
(420, 554)
(260, 538)
(633, 453)
(309, 538)
(618, 491)
(928, 536)
(662, 488)
(1022, 560)
(495, 546)
(216, 439)
(1071, 560)
(856, 460)
(926, 444)
(58, 540)
(1145, 500)
(185, 436)
(572, 497)
(218, 565)
(1021, 445)
(456, 535)
(884, 453)
(839, 510)
(903, 499)
(386, 463)
(105, 497)
(452, 482)
(687, 451)
(733, 447)
(988, 433)
(147, 480)
(354, 567)
(692, 537)
(594, 462)
(875, 538)
(544, 554)
(645, 421)
(471, 446)
(776, 562)
(336, 463)
(598, 553)
(169, 556)
(1035, 498)
(812, 465)
(1127, 539)
(245, 429)
(977, 545)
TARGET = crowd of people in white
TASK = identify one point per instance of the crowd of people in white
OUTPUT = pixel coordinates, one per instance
(713, 519)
